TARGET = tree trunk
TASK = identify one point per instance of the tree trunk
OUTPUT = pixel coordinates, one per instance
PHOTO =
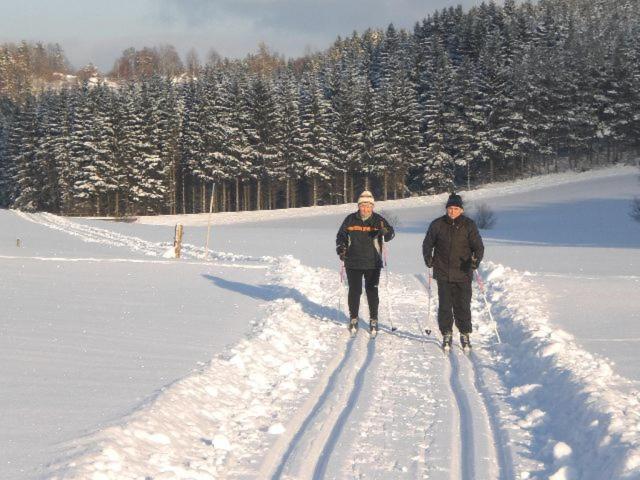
(204, 196)
(315, 191)
(351, 189)
(237, 194)
(344, 188)
(224, 196)
(491, 179)
(385, 185)
(287, 203)
(259, 195)
(194, 204)
(184, 200)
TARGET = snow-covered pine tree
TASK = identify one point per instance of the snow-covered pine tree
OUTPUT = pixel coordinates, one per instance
(238, 141)
(315, 146)
(263, 134)
(26, 172)
(83, 178)
(7, 118)
(191, 145)
(346, 103)
(53, 137)
(146, 173)
(290, 135)
(108, 172)
(165, 129)
(438, 171)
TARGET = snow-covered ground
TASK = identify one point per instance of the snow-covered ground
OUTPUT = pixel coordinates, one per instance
(121, 363)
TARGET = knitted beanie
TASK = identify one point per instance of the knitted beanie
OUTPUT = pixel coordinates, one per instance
(366, 197)
(454, 201)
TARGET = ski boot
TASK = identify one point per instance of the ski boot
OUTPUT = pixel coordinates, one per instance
(446, 342)
(373, 327)
(353, 326)
(465, 342)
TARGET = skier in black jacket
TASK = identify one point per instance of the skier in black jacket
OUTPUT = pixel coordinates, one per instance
(454, 248)
(359, 245)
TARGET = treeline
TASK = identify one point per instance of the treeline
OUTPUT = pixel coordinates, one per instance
(496, 92)
(26, 68)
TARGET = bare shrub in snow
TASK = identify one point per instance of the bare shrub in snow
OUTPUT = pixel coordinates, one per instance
(392, 218)
(635, 209)
(484, 217)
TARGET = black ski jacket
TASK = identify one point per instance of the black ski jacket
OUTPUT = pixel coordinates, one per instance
(362, 240)
(451, 244)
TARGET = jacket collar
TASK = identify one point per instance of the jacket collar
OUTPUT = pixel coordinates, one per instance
(362, 219)
(450, 221)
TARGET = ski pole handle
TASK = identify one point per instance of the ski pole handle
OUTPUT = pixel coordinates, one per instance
(479, 280)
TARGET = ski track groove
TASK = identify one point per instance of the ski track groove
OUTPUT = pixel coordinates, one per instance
(313, 443)
(321, 466)
(468, 463)
(501, 438)
(466, 450)
(296, 441)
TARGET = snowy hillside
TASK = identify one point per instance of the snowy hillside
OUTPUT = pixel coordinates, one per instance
(121, 363)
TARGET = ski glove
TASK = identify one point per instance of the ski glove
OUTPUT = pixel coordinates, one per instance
(342, 252)
(429, 262)
(474, 262)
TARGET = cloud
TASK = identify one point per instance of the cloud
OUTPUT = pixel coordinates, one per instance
(327, 17)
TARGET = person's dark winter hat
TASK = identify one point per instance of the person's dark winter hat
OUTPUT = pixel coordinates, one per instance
(455, 200)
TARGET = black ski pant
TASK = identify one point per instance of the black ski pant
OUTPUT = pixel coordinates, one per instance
(454, 303)
(371, 280)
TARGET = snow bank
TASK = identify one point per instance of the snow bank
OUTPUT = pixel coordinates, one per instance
(225, 416)
(575, 415)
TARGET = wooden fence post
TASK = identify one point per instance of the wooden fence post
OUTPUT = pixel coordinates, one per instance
(177, 241)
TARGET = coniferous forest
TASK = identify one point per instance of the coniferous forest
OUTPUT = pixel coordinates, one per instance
(493, 93)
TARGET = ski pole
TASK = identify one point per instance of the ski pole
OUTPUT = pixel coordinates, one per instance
(386, 273)
(486, 304)
(424, 331)
(342, 287)
(427, 330)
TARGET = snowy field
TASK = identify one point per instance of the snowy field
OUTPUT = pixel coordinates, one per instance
(119, 363)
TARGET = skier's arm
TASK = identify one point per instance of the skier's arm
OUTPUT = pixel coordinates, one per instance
(476, 244)
(342, 238)
(387, 230)
(427, 246)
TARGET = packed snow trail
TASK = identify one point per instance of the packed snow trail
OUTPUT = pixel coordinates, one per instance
(309, 450)
(535, 406)
(104, 236)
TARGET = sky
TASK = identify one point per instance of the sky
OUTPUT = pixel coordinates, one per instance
(97, 31)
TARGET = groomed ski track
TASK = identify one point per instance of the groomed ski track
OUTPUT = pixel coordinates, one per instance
(301, 399)
(316, 450)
